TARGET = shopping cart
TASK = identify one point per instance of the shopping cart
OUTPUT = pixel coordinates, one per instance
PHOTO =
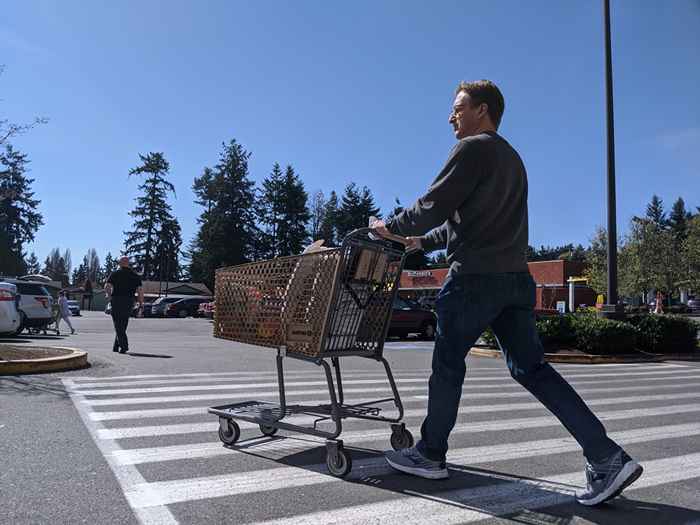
(315, 307)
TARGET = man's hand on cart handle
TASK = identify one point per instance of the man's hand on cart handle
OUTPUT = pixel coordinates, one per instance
(411, 243)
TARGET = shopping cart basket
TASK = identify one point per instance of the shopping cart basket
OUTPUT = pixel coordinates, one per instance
(315, 307)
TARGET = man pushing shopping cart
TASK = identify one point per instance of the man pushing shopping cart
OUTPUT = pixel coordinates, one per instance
(476, 208)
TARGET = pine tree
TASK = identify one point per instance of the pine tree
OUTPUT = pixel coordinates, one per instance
(655, 211)
(269, 210)
(19, 218)
(356, 209)
(57, 266)
(167, 252)
(329, 223)
(79, 275)
(317, 211)
(145, 242)
(33, 265)
(678, 220)
(110, 265)
(227, 233)
(295, 215)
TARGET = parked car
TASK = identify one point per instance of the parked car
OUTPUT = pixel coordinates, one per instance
(694, 304)
(410, 317)
(206, 310)
(184, 307)
(9, 314)
(34, 305)
(74, 307)
(159, 305)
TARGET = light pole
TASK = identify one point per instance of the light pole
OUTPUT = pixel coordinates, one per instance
(611, 308)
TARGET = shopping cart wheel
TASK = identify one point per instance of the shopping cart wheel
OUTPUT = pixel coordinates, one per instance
(268, 430)
(401, 437)
(338, 461)
(229, 431)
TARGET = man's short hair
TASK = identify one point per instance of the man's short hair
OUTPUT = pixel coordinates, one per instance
(485, 92)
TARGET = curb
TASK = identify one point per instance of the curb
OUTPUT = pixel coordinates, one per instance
(590, 359)
(76, 359)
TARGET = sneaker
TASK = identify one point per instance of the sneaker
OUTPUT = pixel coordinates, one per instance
(72, 331)
(606, 480)
(411, 461)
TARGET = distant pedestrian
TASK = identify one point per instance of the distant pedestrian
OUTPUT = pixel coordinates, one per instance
(476, 208)
(120, 289)
(63, 313)
(659, 306)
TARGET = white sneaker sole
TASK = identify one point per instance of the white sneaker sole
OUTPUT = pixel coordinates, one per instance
(629, 474)
(421, 473)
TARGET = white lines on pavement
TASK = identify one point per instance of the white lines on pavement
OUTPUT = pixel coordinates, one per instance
(469, 387)
(202, 409)
(290, 384)
(479, 503)
(509, 492)
(474, 426)
(471, 455)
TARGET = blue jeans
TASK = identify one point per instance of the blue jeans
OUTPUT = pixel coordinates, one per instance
(465, 306)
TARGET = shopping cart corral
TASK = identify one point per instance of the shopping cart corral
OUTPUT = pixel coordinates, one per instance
(317, 307)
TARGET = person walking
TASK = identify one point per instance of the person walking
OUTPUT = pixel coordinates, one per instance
(120, 289)
(63, 313)
(476, 209)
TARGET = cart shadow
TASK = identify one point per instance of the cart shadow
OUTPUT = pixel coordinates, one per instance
(520, 499)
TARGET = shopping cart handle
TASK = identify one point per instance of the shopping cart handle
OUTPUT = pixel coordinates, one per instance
(375, 235)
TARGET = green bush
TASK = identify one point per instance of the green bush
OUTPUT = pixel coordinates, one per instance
(596, 335)
(489, 338)
(665, 333)
(556, 331)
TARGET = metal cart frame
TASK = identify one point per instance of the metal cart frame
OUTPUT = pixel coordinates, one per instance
(270, 416)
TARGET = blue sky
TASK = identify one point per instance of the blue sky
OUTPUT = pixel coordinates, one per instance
(353, 91)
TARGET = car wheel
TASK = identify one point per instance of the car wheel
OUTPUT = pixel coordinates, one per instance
(182, 314)
(428, 331)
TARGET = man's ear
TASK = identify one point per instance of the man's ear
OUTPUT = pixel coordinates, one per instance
(483, 110)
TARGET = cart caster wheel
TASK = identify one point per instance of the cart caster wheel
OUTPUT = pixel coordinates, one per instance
(268, 430)
(229, 431)
(401, 438)
(340, 463)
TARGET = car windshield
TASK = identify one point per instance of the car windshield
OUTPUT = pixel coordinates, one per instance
(31, 289)
(73, 303)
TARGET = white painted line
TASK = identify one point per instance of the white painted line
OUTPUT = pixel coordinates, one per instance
(474, 426)
(127, 476)
(202, 409)
(87, 380)
(510, 492)
(470, 455)
(476, 389)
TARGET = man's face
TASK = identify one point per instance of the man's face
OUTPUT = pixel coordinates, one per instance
(465, 119)
(124, 262)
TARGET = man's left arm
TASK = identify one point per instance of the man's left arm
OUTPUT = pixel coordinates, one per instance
(451, 188)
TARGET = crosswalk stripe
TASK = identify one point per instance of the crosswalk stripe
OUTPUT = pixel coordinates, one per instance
(474, 504)
(291, 384)
(471, 455)
(202, 409)
(514, 491)
(476, 426)
(403, 390)
(88, 380)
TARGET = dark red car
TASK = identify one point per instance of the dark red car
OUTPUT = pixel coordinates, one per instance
(408, 317)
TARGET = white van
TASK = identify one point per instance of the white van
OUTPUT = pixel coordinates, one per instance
(34, 304)
(9, 315)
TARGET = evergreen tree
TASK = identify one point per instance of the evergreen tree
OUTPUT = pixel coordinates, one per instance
(57, 266)
(227, 233)
(655, 211)
(269, 210)
(317, 211)
(33, 265)
(167, 255)
(295, 215)
(329, 222)
(355, 210)
(19, 218)
(145, 242)
(79, 275)
(678, 220)
(110, 265)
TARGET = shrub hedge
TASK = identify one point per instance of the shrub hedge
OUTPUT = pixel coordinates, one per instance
(595, 335)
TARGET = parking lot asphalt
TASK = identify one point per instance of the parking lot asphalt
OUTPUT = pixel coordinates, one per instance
(129, 439)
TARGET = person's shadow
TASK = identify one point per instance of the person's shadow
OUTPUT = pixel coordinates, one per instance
(488, 493)
(138, 354)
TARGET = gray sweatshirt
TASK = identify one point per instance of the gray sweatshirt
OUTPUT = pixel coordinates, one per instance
(476, 208)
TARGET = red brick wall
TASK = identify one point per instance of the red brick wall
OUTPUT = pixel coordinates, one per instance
(555, 272)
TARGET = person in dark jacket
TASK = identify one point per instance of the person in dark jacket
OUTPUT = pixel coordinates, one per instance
(120, 289)
(476, 209)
